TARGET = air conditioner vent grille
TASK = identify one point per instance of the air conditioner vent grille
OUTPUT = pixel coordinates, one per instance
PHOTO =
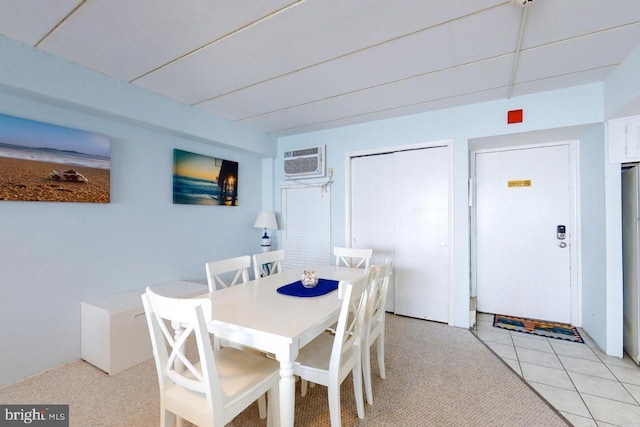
(304, 163)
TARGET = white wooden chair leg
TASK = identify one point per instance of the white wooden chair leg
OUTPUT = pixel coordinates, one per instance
(262, 407)
(334, 404)
(366, 371)
(273, 404)
(303, 387)
(357, 389)
(383, 374)
(276, 406)
(269, 403)
(167, 419)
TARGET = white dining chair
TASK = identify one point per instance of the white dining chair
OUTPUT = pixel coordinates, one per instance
(352, 257)
(330, 358)
(267, 263)
(203, 387)
(374, 325)
(218, 270)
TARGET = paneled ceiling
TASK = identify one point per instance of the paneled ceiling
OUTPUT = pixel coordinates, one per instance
(285, 67)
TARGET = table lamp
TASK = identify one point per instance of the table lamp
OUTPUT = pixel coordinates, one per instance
(267, 221)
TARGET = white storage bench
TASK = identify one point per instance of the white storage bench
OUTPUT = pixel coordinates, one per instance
(113, 329)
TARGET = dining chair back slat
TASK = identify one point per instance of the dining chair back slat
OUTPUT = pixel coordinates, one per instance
(267, 263)
(352, 257)
(217, 270)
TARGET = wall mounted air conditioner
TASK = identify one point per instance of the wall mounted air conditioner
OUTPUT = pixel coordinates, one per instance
(305, 163)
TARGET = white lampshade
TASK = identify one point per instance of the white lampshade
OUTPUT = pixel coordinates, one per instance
(266, 220)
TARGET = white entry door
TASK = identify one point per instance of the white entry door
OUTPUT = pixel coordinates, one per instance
(400, 209)
(523, 199)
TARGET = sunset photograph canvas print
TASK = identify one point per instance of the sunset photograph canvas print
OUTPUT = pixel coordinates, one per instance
(204, 180)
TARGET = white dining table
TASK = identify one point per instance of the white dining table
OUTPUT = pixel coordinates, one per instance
(255, 314)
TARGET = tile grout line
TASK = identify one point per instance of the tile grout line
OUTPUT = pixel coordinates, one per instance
(572, 382)
(618, 380)
(565, 410)
(517, 357)
(527, 383)
(628, 391)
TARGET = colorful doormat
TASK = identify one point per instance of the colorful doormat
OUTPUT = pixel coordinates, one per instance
(560, 331)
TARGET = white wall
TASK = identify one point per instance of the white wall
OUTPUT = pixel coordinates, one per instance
(54, 255)
(593, 234)
(548, 110)
(622, 88)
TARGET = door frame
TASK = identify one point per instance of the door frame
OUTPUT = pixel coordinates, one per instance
(630, 345)
(575, 282)
(392, 149)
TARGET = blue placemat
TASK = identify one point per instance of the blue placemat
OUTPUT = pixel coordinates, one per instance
(296, 289)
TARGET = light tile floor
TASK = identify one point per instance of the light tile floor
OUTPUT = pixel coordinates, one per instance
(588, 387)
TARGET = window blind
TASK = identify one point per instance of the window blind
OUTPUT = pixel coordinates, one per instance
(306, 237)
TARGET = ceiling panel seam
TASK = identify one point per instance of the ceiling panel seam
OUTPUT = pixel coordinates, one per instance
(416, 76)
(410, 77)
(59, 24)
(555, 76)
(421, 102)
(353, 52)
(386, 109)
(514, 68)
(580, 36)
(219, 39)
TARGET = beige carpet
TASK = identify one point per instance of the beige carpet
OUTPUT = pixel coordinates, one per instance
(436, 376)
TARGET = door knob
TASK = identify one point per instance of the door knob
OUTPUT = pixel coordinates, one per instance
(562, 244)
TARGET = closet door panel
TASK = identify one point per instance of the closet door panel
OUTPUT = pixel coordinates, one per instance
(372, 209)
(421, 201)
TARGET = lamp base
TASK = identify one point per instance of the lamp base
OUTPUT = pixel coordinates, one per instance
(265, 244)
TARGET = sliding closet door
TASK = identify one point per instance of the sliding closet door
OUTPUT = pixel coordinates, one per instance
(421, 200)
(372, 209)
(399, 208)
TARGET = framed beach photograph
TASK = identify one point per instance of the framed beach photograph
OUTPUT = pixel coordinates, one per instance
(48, 163)
(204, 180)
